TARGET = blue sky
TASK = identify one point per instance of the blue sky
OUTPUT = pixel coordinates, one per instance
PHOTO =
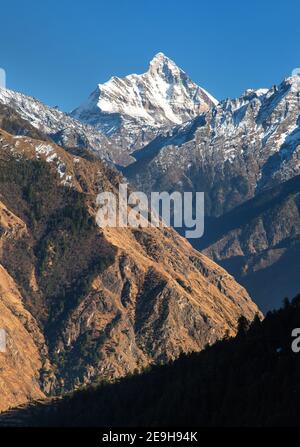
(58, 51)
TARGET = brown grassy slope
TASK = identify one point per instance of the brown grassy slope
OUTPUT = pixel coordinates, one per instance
(107, 301)
(20, 364)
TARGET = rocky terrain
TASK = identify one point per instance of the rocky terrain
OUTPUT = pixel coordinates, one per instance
(31, 116)
(259, 243)
(236, 152)
(22, 361)
(94, 304)
(251, 380)
(233, 151)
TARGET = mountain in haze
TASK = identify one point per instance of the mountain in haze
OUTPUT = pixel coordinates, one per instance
(89, 303)
(259, 243)
(129, 110)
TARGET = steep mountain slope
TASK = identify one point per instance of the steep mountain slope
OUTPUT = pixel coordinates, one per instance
(107, 301)
(130, 110)
(259, 242)
(51, 122)
(26, 352)
(231, 152)
(21, 362)
(251, 380)
(13, 123)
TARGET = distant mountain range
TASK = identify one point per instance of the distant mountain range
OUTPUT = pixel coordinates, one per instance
(55, 124)
(232, 152)
(121, 115)
(237, 151)
(163, 95)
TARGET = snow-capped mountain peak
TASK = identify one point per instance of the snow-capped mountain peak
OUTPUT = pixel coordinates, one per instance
(161, 65)
(162, 96)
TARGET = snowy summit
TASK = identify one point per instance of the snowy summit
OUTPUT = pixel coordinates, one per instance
(163, 95)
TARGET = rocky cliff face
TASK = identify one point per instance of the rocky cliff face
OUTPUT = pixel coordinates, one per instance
(107, 301)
